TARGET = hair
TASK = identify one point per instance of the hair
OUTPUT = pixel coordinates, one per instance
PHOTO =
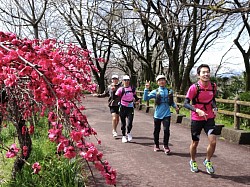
(202, 66)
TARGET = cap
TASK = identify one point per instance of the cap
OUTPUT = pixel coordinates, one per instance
(125, 77)
(160, 77)
(115, 77)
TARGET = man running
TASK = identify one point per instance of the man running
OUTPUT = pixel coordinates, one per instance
(113, 102)
(162, 115)
(203, 111)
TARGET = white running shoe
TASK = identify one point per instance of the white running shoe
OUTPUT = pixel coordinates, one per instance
(124, 139)
(129, 137)
(114, 133)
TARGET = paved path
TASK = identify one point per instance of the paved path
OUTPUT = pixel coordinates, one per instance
(139, 166)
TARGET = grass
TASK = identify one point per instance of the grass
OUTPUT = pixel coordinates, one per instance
(56, 170)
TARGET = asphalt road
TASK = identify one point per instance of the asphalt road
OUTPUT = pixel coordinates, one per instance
(138, 165)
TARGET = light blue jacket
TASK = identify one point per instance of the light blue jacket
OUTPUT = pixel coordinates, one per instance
(162, 110)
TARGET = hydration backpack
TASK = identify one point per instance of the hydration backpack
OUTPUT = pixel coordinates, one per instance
(195, 100)
(125, 92)
(158, 97)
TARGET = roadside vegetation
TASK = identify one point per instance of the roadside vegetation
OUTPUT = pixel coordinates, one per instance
(56, 172)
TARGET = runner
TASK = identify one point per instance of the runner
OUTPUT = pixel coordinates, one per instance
(113, 102)
(163, 99)
(203, 112)
(127, 95)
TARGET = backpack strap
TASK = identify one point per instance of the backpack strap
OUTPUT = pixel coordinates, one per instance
(133, 91)
(195, 100)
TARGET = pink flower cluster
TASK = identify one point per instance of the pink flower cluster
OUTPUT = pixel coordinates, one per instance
(49, 77)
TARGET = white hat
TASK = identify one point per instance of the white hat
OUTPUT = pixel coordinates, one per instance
(115, 77)
(160, 77)
(125, 77)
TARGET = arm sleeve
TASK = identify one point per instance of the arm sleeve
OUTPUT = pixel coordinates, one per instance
(148, 95)
(214, 101)
(188, 105)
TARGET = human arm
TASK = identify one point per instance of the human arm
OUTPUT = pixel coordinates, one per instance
(214, 106)
(187, 105)
(146, 94)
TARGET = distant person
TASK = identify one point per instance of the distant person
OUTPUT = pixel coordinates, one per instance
(162, 115)
(113, 102)
(127, 96)
(203, 111)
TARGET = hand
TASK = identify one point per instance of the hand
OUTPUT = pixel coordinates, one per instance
(201, 113)
(147, 84)
(138, 101)
(112, 86)
(177, 110)
(215, 110)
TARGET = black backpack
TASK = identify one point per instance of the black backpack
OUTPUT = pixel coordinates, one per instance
(158, 97)
(133, 91)
(195, 100)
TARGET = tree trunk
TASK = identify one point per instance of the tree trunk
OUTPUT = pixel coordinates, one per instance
(24, 140)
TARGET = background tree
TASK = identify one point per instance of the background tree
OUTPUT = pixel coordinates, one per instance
(245, 53)
(21, 13)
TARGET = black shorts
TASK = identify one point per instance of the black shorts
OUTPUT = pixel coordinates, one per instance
(197, 126)
(114, 109)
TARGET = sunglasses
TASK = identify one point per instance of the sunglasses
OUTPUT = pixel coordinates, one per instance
(126, 79)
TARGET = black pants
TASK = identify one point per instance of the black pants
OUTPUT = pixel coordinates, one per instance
(166, 129)
(126, 112)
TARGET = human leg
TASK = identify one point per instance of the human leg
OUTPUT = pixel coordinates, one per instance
(166, 130)
(130, 123)
(157, 129)
(209, 129)
(114, 110)
(196, 127)
(130, 116)
(193, 149)
(123, 120)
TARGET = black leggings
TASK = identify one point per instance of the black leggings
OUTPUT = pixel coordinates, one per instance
(126, 112)
(166, 129)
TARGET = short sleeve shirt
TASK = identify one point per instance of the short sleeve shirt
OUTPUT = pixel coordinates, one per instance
(205, 96)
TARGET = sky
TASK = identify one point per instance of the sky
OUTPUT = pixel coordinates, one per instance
(232, 62)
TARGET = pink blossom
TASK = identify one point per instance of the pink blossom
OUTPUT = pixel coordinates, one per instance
(12, 152)
(69, 152)
(31, 129)
(25, 150)
(76, 136)
(24, 129)
(63, 143)
(36, 168)
(99, 166)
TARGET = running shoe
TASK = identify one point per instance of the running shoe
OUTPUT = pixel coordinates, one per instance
(129, 137)
(114, 133)
(209, 166)
(124, 139)
(156, 148)
(166, 150)
(193, 166)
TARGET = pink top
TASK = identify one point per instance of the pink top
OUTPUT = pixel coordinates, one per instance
(206, 94)
(128, 96)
